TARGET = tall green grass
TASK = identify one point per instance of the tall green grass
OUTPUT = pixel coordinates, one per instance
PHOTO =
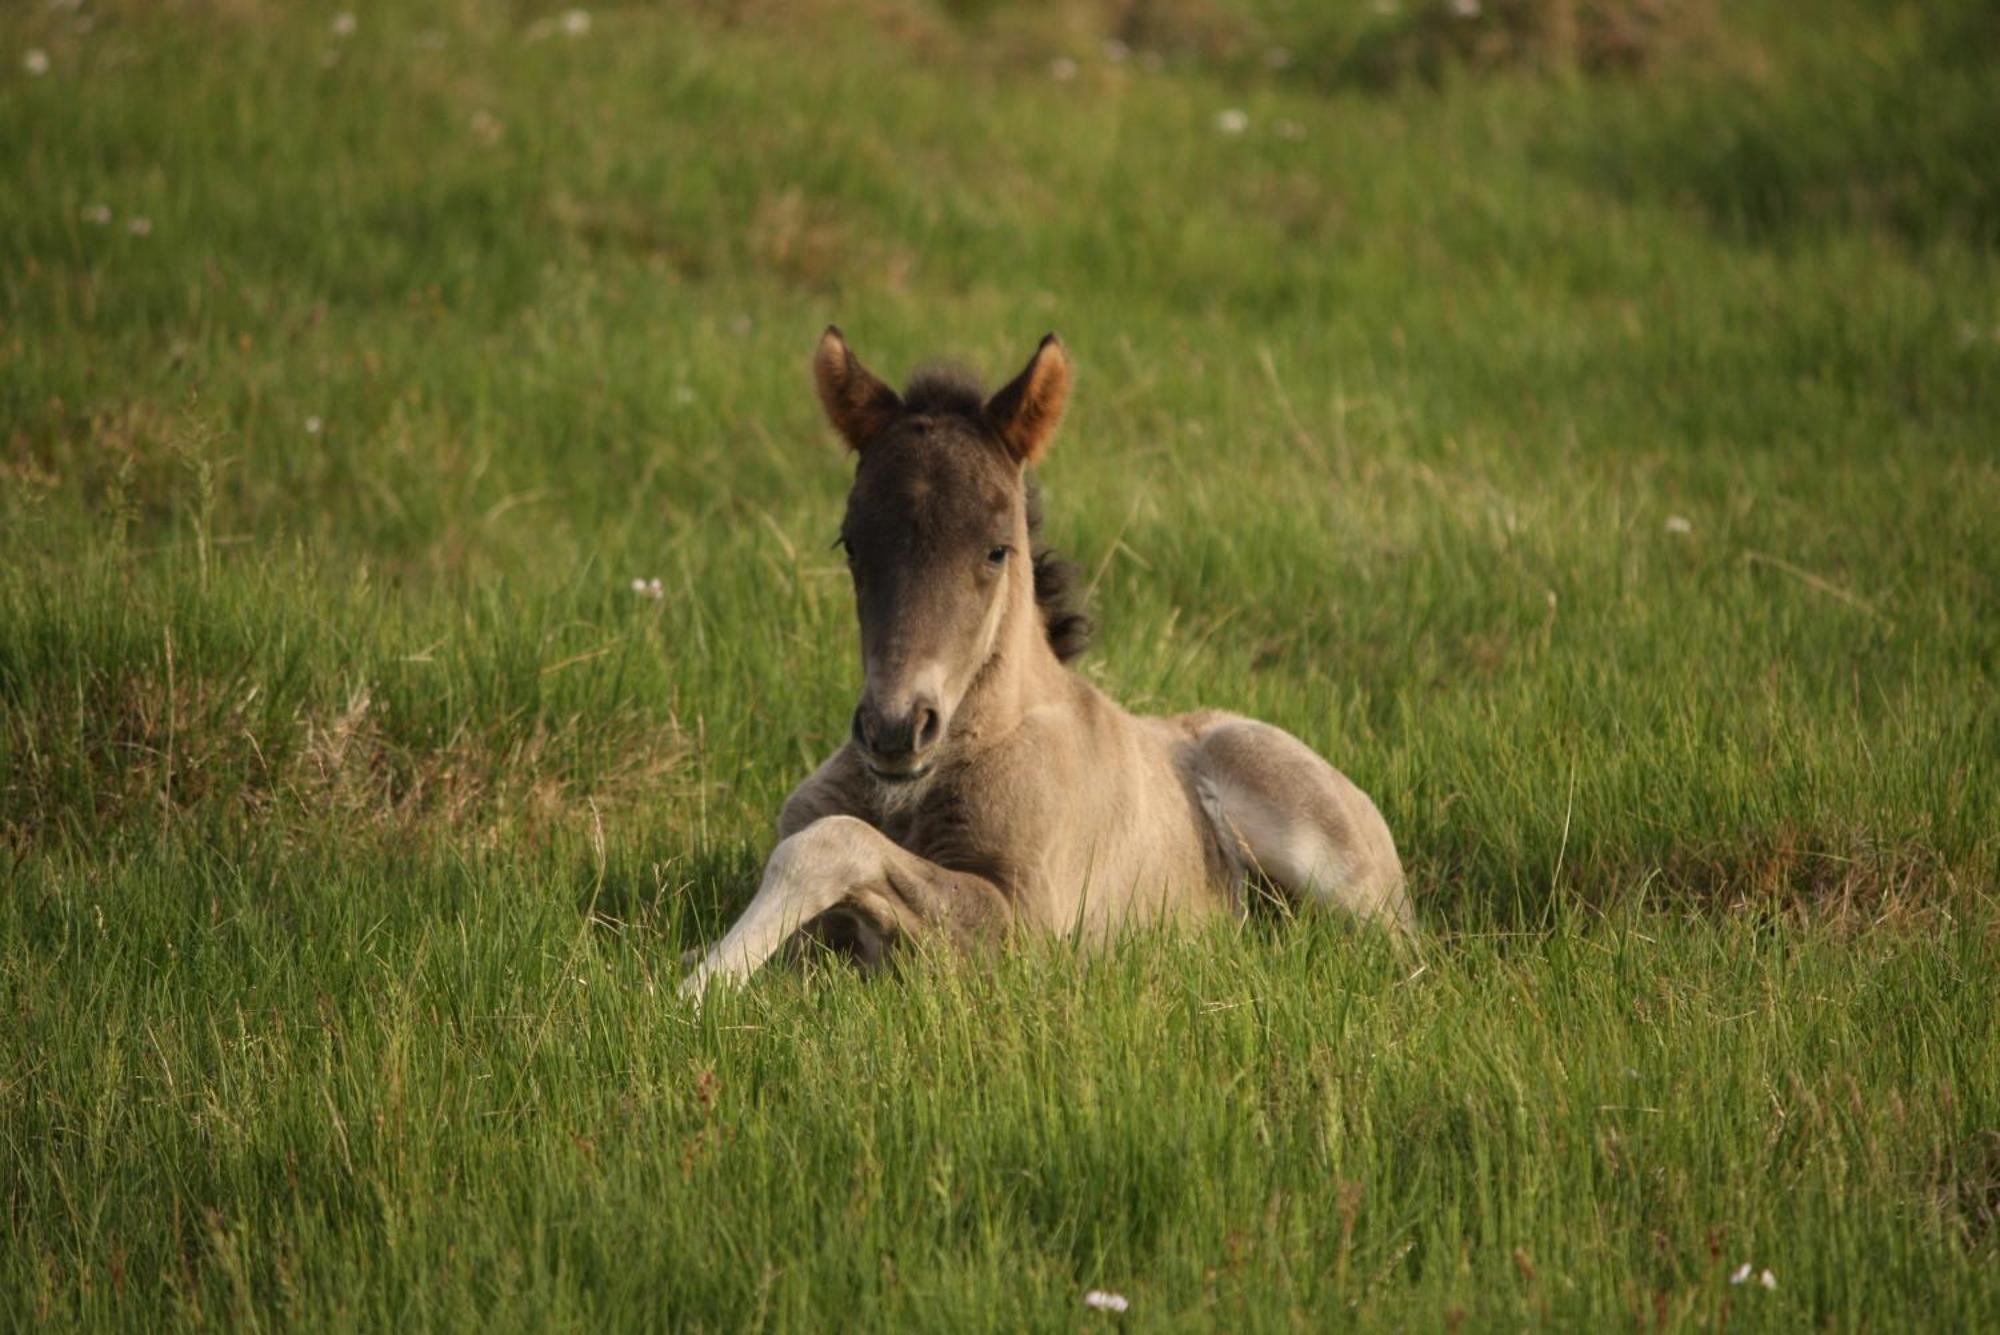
(1594, 460)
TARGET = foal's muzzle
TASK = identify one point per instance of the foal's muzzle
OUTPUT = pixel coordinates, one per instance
(897, 744)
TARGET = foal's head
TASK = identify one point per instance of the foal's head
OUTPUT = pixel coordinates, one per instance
(938, 534)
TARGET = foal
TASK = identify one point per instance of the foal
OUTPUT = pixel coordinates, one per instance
(986, 786)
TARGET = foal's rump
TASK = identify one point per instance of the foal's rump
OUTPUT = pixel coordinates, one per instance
(1279, 808)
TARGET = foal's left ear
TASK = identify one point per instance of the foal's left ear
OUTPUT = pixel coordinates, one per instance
(1028, 410)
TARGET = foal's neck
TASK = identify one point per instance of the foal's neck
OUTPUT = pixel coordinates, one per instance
(1023, 673)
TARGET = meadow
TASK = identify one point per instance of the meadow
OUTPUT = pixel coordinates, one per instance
(1579, 419)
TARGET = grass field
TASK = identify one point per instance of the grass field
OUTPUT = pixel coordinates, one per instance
(1584, 427)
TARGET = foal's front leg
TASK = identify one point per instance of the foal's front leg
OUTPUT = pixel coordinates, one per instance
(841, 861)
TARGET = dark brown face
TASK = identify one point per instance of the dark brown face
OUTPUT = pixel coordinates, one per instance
(937, 537)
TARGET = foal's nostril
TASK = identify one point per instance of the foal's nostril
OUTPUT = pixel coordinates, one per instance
(929, 725)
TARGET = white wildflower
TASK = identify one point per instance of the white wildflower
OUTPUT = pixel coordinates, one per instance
(36, 61)
(139, 226)
(1233, 120)
(1465, 9)
(1102, 1301)
(575, 22)
(343, 24)
(97, 214)
(314, 426)
(649, 588)
(1740, 1273)
(1679, 525)
(1062, 69)
(1768, 1280)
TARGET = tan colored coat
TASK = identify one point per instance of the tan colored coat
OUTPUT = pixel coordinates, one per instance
(988, 788)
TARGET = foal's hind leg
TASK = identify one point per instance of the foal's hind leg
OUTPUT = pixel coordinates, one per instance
(1301, 822)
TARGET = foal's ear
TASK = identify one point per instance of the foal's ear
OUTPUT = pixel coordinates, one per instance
(859, 405)
(1027, 411)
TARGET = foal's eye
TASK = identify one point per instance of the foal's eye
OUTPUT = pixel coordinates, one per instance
(998, 556)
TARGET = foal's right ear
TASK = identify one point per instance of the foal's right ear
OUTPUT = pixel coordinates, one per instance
(859, 405)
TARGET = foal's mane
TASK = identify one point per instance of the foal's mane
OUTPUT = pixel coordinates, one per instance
(944, 391)
(1057, 590)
